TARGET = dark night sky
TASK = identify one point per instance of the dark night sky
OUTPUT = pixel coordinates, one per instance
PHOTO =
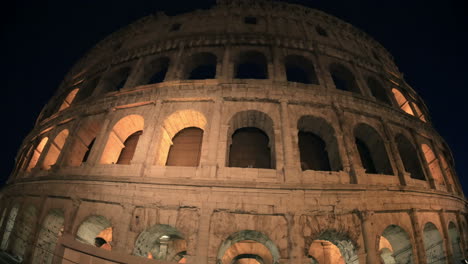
(41, 40)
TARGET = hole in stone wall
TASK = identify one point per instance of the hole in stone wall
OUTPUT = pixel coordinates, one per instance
(378, 91)
(322, 32)
(36, 154)
(250, 20)
(314, 155)
(251, 65)
(250, 149)
(201, 66)
(409, 157)
(343, 78)
(300, 69)
(95, 226)
(156, 71)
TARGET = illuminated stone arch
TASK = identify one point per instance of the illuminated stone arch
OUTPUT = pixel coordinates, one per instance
(419, 113)
(69, 99)
(9, 226)
(174, 124)
(49, 233)
(318, 147)
(347, 247)
(256, 127)
(248, 244)
(55, 148)
(395, 246)
(409, 157)
(161, 242)
(433, 244)
(37, 153)
(95, 226)
(83, 141)
(130, 125)
(448, 172)
(403, 103)
(433, 164)
(23, 231)
(454, 237)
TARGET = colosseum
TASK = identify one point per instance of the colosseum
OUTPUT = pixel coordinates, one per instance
(253, 132)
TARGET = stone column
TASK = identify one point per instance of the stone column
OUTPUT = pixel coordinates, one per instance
(66, 149)
(447, 244)
(395, 155)
(201, 254)
(146, 139)
(462, 235)
(369, 237)
(419, 247)
(211, 164)
(279, 70)
(122, 244)
(226, 69)
(100, 142)
(441, 166)
(291, 174)
(153, 135)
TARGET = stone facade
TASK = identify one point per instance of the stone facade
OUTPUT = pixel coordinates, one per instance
(383, 191)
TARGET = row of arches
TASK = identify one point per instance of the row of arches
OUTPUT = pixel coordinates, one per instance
(165, 242)
(251, 64)
(250, 144)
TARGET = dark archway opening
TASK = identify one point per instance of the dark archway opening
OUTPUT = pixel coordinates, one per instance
(251, 65)
(250, 149)
(378, 91)
(409, 157)
(343, 78)
(130, 144)
(313, 152)
(366, 157)
(201, 66)
(300, 69)
(159, 70)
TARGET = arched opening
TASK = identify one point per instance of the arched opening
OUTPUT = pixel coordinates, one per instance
(318, 147)
(378, 91)
(433, 164)
(448, 173)
(69, 99)
(395, 246)
(343, 78)
(49, 233)
(161, 242)
(454, 237)
(251, 144)
(251, 65)
(372, 151)
(23, 231)
(36, 154)
(123, 139)
(419, 113)
(409, 157)
(9, 226)
(186, 148)
(403, 103)
(248, 247)
(321, 31)
(334, 247)
(96, 230)
(157, 71)
(115, 80)
(300, 69)
(433, 244)
(87, 89)
(174, 124)
(201, 66)
(84, 140)
(55, 149)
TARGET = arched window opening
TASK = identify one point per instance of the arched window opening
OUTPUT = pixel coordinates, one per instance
(433, 164)
(69, 99)
(55, 149)
(403, 103)
(36, 154)
(449, 174)
(318, 147)
(409, 157)
(117, 140)
(250, 149)
(116, 80)
(419, 113)
(248, 247)
(201, 66)
(343, 78)
(322, 32)
(395, 246)
(333, 247)
(158, 71)
(9, 226)
(23, 231)
(96, 230)
(161, 242)
(314, 155)
(251, 65)
(433, 244)
(186, 148)
(83, 142)
(49, 233)
(372, 151)
(454, 237)
(300, 69)
(322, 251)
(87, 89)
(378, 91)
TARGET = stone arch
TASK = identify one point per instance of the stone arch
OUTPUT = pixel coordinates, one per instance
(448, 172)
(115, 80)
(347, 247)
(409, 157)
(372, 150)
(454, 237)
(186, 148)
(312, 126)
(156, 70)
(403, 103)
(251, 65)
(433, 244)
(249, 242)
(395, 246)
(175, 123)
(418, 113)
(37, 153)
(9, 226)
(322, 251)
(69, 99)
(55, 148)
(95, 226)
(87, 88)
(251, 125)
(343, 78)
(83, 142)
(300, 69)
(200, 65)
(433, 164)
(378, 91)
(161, 242)
(51, 230)
(122, 130)
(23, 231)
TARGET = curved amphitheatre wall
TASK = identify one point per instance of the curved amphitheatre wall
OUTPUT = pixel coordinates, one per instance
(252, 132)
